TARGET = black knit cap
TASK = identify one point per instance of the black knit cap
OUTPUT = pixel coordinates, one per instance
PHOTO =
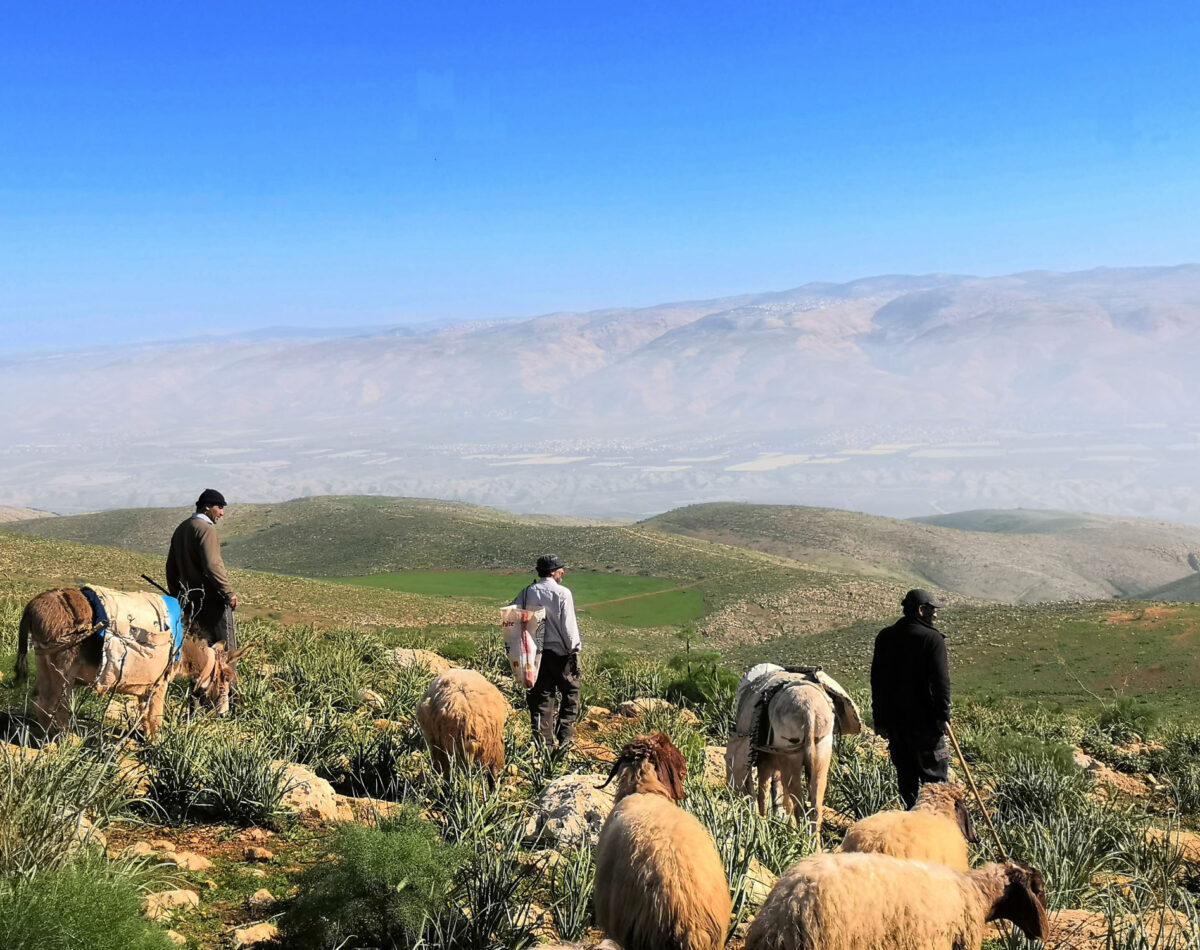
(210, 497)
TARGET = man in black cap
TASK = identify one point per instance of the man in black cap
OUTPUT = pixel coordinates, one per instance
(910, 695)
(558, 676)
(196, 573)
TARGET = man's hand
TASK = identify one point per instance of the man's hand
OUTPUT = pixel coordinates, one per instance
(233, 602)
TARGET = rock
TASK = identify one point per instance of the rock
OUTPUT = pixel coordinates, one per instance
(160, 905)
(261, 901)
(370, 699)
(1186, 842)
(714, 764)
(254, 872)
(139, 849)
(162, 844)
(252, 936)
(1083, 760)
(88, 835)
(686, 715)
(570, 811)
(633, 708)
(177, 938)
(123, 711)
(401, 656)
(258, 835)
(257, 853)
(759, 881)
(188, 860)
(598, 712)
(307, 795)
(366, 809)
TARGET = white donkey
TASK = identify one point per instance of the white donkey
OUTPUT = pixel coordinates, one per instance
(784, 724)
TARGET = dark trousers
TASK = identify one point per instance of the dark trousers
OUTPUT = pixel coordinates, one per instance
(554, 718)
(918, 759)
(214, 622)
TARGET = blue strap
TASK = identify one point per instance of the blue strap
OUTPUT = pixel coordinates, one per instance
(175, 615)
(99, 614)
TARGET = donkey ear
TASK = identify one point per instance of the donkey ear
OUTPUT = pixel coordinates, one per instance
(240, 652)
(965, 825)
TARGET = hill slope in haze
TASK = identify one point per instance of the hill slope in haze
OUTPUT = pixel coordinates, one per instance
(896, 394)
(1068, 556)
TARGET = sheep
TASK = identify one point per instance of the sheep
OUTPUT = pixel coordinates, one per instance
(660, 884)
(936, 829)
(872, 901)
(462, 716)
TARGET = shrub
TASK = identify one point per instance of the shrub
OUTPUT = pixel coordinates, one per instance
(460, 649)
(861, 781)
(572, 878)
(87, 904)
(1184, 787)
(1033, 787)
(377, 886)
(1127, 719)
(45, 799)
(1002, 748)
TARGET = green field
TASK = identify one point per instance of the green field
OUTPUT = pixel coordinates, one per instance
(619, 598)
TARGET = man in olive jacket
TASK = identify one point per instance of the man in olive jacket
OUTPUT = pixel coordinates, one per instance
(910, 695)
(196, 573)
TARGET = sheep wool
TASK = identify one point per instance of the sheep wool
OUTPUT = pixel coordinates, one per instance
(660, 883)
(878, 902)
(931, 831)
(462, 716)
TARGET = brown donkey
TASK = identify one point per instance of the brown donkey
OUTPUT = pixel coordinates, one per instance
(69, 654)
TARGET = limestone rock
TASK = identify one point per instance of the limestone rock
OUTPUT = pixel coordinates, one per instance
(759, 881)
(87, 835)
(160, 905)
(254, 872)
(714, 764)
(570, 812)
(258, 853)
(188, 860)
(177, 938)
(139, 849)
(253, 936)
(1083, 760)
(261, 901)
(598, 712)
(1187, 842)
(366, 809)
(162, 844)
(633, 708)
(402, 656)
(257, 835)
(307, 795)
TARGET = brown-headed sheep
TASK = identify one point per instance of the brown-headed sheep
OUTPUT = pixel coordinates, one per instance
(462, 716)
(660, 884)
(936, 829)
(871, 901)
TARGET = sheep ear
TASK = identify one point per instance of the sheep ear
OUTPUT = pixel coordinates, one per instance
(671, 770)
(965, 825)
(1024, 902)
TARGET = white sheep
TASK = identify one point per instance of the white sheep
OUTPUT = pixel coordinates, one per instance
(660, 884)
(876, 901)
(936, 829)
(462, 716)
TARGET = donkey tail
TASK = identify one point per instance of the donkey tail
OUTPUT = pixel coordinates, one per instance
(23, 644)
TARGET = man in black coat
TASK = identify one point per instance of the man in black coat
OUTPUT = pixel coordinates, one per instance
(910, 695)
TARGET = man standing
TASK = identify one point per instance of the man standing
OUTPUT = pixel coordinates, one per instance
(558, 675)
(910, 695)
(196, 573)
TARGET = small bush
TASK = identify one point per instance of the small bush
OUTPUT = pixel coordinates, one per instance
(1184, 786)
(861, 780)
(45, 798)
(460, 649)
(1035, 788)
(87, 904)
(377, 886)
(1128, 719)
(1004, 747)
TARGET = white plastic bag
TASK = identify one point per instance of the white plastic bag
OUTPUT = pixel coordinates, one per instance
(523, 632)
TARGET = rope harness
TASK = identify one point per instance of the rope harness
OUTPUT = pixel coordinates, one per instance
(760, 724)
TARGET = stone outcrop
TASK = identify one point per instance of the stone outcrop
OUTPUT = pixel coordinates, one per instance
(254, 936)
(164, 903)
(570, 812)
(402, 656)
(307, 796)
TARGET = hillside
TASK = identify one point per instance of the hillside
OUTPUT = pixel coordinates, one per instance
(1023, 558)
(21, 514)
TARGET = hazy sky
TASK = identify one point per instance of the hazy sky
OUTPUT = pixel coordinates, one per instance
(172, 168)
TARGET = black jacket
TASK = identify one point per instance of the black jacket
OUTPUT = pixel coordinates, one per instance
(910, 680)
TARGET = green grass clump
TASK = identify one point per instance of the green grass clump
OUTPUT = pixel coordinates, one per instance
(862, 780)
(1128, 719)
(376, 886)
(87, 904)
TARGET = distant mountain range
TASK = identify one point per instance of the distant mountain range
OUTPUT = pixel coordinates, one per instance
(898, 395)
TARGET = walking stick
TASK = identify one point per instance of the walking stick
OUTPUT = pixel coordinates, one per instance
(975, 790)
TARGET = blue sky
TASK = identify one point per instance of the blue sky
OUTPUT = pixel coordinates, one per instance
(168, 169)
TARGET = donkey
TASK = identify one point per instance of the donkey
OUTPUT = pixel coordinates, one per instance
(69, 653)
(783, 730)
